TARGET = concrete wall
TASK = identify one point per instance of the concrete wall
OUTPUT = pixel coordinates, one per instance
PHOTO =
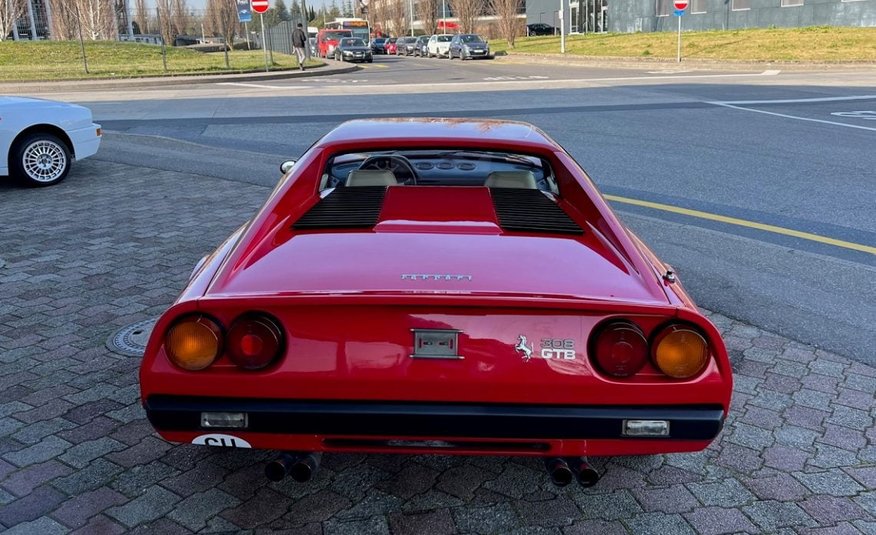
(639, 15)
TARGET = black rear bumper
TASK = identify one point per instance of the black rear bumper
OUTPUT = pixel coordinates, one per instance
(417, 419)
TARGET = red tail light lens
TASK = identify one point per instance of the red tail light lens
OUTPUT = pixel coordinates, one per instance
(620, 349)
(254, 342)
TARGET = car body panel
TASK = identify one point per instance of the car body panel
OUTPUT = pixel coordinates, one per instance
(469, 46)
(439, 45)
(18, 114)
(351, 302)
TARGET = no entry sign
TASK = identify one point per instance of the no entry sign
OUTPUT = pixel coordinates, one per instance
(260, 6)
(679, 4)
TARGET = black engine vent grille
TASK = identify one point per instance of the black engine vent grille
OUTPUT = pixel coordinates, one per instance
(356, 207)
(529, 210)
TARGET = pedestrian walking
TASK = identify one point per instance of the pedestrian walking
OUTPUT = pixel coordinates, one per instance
(299, 41)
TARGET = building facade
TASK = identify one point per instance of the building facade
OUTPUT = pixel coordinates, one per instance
(626, 16)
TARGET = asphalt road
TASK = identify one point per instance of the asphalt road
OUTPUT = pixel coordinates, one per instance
(779, 153)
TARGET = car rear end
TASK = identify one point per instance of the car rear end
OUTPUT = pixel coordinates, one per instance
(372, 375)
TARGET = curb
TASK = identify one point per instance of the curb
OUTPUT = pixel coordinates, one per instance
(636, 63)
(329, 68)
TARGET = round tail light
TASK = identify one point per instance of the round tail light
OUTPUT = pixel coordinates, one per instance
(193, 342)
(680, 352)
(254, 341)
(620, 349)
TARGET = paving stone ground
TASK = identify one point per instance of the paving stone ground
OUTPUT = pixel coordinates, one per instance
(113, 245)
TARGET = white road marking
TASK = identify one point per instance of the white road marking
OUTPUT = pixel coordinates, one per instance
(799, 100)
(786, 116)
(670, 71)
(505, 78)
(262, 86)
(867, 115)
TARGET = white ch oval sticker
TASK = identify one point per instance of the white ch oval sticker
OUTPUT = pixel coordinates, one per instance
(224, 441)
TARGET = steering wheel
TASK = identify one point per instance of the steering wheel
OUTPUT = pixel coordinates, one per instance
(399, 166)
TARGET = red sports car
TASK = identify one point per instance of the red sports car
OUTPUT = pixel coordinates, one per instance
(439, 286)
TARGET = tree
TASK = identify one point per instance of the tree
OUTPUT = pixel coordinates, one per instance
(506, 17)
(222, 20)
(9, 15)
(163, 9)
(142, 15)
(282, 10)
(398, 16)
(179, 17)
(429, 15)
(467, 12)
(98, 19)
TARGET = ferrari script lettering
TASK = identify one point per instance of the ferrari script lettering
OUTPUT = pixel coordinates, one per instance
(434, 277)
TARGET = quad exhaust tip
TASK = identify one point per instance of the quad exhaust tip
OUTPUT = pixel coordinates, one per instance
(300, 466)
(563, 471)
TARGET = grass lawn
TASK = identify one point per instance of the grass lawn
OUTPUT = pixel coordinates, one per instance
(62, 60)
(820, 43)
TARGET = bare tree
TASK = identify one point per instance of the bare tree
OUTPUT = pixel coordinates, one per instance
(506, 18)
(65, 20)
(222, 20)
(98, 19)
(142, 16)
(179, 17)
(467, 11)
(165, 24)
(398, 16)
(429, 15)
(11, 12)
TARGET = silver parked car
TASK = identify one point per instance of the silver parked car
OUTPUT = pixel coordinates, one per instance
(468, 46)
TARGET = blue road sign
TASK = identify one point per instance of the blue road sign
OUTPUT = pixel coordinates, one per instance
(244, 11)
(679, 12)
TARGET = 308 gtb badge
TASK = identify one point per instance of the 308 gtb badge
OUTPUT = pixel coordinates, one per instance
(551, 348)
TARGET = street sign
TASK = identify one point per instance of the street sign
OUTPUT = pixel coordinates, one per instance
(260, 6)
(680, 5)
(244, 12)
(679, 12)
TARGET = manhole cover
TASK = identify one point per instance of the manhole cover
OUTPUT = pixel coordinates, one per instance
(131, 341)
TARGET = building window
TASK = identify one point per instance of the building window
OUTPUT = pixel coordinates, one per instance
(697, 6)
(740, 5)
(792, 3)
(664, 8)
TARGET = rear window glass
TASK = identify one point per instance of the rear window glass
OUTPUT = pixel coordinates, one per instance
(439, 167)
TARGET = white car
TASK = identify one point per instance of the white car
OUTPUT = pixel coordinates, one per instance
(40, 139)
(439, 45)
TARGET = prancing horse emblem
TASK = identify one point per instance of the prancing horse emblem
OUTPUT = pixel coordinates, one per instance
(524, 350)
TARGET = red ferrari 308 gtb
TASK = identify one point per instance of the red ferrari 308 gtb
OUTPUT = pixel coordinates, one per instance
(436, 286)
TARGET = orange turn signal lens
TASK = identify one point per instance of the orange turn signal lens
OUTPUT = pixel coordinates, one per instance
(194, 342)
(680, 352)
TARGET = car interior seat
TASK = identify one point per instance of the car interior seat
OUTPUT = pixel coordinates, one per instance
(511, 179)
(371, 177)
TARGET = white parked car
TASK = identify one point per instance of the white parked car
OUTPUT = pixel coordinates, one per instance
(439, 45)
(40, 139)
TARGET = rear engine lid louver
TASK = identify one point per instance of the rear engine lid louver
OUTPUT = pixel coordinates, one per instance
(355, 207)
(530, 210)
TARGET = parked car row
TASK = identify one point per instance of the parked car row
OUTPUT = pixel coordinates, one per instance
(463, 46)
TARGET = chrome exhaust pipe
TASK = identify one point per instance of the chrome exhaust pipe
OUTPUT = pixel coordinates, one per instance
(586, 475)
(559, 471)
(300, 466)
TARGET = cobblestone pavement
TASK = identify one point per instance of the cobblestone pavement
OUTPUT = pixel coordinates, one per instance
(113, 244)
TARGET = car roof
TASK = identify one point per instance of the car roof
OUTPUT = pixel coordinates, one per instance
(443, 132)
